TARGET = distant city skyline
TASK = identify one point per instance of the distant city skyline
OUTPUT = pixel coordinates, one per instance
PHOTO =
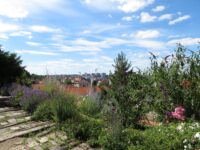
(69, 37)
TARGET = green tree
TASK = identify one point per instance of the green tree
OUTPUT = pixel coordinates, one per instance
(119, 88)
(11, 67)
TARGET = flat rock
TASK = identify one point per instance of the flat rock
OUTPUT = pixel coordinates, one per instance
(14, 128)
(1, 117)
(12, 121)
(43, 140)
(3, 123)
(38, 147)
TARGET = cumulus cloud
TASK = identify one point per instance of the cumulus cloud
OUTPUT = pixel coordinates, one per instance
(127, 6)
(165, 17)
(146, 17)
(127, 18)
(18, 9)
(179, 19)
(147, 34)
(158, 8)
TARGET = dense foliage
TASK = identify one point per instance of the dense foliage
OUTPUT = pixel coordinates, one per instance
(177, 81)
(11, 69)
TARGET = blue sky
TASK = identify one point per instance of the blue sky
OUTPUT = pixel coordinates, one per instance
(72, 36)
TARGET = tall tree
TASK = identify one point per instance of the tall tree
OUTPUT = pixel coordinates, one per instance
(11, 68)
(119, 82)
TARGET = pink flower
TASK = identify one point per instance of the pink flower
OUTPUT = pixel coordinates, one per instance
(178, 113)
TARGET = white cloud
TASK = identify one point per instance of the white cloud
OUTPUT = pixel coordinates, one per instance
(185, 41)
(3, 36)
(102, 27)
(165, 17)
(127, 6)
(146, 34)
(159, 8)
(149, 44)
(81, 45)
(36, 52)
(42, 29)
(127, 18)
(179, 19)
(33, 43)
(18, 9)
(6, 27)
(91, 60)
(21, 33)
(146, 17)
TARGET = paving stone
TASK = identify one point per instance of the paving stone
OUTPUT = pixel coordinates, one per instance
(43, 140)
(28, 118)
(53, 142)
(14, 128)
(32, 144)
(3, 123)
(38, 148)
(12, 121)
(13, 114)
(1, 117)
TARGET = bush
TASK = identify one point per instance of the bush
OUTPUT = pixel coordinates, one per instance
(64, 106)
(176, 82)
(26, 97)
(89, 106)
(43, 111)
(87, 128)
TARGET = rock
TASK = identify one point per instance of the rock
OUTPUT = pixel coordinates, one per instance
(43, 140)
(12, 121)
(14, 128)
(3, 123)
(38, 148)
(1, 117)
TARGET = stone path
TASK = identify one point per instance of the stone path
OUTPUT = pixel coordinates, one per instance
(19, 132)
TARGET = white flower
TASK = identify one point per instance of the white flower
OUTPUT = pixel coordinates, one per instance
(189, 146)
(185, 141)
(180, 128)
(197, 135)
(185, 146)
(191, 127)
(196, 124)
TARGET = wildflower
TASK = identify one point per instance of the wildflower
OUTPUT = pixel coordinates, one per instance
(185, 141)
(178, 113)
(197, 135)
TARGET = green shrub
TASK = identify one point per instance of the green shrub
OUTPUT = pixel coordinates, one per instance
(89, 106)
(64, 106)
(176, 81)
(43, 111)
(87, 128)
